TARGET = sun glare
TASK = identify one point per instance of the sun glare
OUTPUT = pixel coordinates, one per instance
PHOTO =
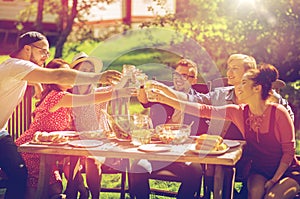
(251, 3)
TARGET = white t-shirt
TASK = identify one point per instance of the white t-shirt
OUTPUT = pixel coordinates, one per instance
(12, 87)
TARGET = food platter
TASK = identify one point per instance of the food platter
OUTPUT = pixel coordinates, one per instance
(85, 143)
(212, 152)
(154, 147)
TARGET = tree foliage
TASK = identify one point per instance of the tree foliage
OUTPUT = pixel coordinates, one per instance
(265, 29)
(66, 12)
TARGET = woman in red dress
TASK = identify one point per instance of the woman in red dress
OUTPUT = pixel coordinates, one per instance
(54, 113)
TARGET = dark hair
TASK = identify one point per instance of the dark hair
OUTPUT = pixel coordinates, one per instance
(264, 76)
(188, 63)
(55, 63)
(27, 39)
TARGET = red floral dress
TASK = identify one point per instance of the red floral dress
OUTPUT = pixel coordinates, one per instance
(44, 120)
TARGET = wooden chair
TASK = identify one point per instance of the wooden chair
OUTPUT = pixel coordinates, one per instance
(165, 175)
(21, 118)
(202, 87)
(121, 169)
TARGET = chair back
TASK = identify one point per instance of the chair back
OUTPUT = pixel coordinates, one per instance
(21, 118)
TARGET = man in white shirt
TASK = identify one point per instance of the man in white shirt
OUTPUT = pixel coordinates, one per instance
(16, 72)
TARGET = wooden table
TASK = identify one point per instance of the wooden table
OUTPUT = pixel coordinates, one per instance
(116, 149)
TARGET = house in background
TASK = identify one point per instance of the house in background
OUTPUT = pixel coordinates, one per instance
(131, 12)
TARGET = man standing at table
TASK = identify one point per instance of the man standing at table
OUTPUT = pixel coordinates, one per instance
(16, 72)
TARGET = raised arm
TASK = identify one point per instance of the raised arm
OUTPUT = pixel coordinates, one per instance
(74, 100)
(71, 77)
(200, 110)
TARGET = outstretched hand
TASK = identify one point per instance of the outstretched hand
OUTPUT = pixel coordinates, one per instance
(156, 95)
(152, 84)
(110, 77)
(156, 85)
(124, 92)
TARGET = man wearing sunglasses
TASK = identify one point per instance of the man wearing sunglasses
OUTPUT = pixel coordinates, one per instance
(23, 68)
(184, 76)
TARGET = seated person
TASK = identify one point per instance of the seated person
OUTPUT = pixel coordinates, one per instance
(184, 77)
(54, 113)
(237, 65)
(267, 128)
(88, 118)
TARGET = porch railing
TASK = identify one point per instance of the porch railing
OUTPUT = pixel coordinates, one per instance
(21, 118)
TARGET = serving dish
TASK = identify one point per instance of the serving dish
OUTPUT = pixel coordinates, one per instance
(208, 152)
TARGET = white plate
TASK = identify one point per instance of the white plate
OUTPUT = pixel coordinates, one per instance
(232, 143)
(207, 152)
(154, 147)
(85, 143)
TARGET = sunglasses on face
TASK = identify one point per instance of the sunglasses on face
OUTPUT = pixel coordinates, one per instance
(44, 51)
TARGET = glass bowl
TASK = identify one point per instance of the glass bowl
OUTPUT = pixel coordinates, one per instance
(141, 136)
(173, 133)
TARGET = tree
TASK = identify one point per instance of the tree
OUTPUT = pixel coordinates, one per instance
(266, 29)
(67, 13)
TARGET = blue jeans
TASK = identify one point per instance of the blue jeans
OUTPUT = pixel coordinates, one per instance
(12, 163)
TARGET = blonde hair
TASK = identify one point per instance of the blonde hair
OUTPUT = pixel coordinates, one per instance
(248, 61)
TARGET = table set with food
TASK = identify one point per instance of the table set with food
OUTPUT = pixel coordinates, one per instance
(133, 136)
(170, 142)
(164, 137)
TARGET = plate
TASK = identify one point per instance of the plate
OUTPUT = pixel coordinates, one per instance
(208, 152)
(85, 143)
(49, 143)
(154, 148)
(232, 143)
